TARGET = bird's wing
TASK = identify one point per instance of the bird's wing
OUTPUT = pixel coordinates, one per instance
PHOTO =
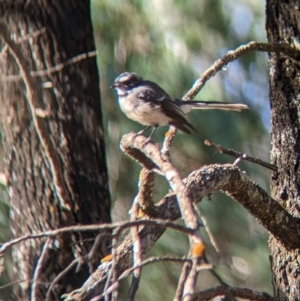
(160, 100)
(149, 96)
(173, 111)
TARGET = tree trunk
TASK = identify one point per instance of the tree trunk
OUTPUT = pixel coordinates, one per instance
(283, 26)
(54, 147)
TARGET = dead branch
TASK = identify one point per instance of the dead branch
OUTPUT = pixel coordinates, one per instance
(121, 225)
(54, 69)
(146, 183)
(31, 35)
(200, 183)
(38, 270)
(231, 56)
(135, 144)
(237, 292)
(150, 260)
(137, 249)
(236, 154)
(229, 179)
(61, 275)
(190, 282)
(208, 231)
(184, 200)
(182, 279)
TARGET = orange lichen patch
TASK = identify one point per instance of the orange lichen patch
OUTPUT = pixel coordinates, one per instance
(141, 213)
(198, 249)
(52, 209)
(169, 133)
(106, 258)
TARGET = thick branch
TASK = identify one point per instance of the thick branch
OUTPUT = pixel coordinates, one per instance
(236, 292)
(229, 179)
(132, 142)
(188, 214)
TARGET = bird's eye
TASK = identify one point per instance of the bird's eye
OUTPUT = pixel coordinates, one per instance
(132, 83)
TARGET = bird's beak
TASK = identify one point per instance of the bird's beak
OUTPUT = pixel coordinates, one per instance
(114, 86)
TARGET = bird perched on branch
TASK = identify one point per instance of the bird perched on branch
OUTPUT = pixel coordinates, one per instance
(147, 103)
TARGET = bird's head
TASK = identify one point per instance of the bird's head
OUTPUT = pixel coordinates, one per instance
(125, 82)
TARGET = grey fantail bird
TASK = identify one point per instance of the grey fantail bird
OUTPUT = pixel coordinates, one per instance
(147, 103)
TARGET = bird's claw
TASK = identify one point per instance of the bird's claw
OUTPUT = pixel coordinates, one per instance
(146, 142)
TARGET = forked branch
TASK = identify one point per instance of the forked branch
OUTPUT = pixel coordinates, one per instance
(200, 183)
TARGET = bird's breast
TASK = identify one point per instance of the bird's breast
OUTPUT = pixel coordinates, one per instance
(143, 112)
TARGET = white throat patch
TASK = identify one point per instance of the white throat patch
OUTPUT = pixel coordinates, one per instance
(121, 92)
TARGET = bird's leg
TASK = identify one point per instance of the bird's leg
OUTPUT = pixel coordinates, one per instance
(149, 138)
(145, 129)
(154, 129)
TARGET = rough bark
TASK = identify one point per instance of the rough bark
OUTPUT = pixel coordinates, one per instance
(54, 147)
(283, 26)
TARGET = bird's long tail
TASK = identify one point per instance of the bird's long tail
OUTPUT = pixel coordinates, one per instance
(211, 105)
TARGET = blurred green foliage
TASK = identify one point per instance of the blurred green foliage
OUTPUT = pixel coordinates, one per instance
(172, 42)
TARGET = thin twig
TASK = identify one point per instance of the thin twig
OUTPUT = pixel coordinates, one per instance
(39, 269)
(113, 272)
(66, 63)
(137, 249)
(106, 291)
(122, 225)
(92, 256)
(14, 283)
(60, 276)
(231, 56)
(236, 154)
(154, 259)
(56, 68)
(239, 159)
(190, 283)
(169, 138)
(209, 233)
(150, 260)
(136, 277)
(21, 40)
(234, 55)
(182, 279)
(31, 35)
(215, 274)
(3, 50)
